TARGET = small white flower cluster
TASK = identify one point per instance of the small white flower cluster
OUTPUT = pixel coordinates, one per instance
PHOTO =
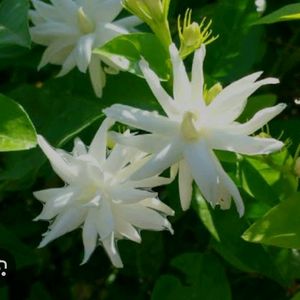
(108, 191)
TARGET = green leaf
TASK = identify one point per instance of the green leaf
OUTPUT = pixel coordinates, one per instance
(23, 254)
(127, 50)
(279, 227)
(203, 277)
(226, 227)
(286, 13)
(16, 129)
(14, 23)
(232, 21)
(296, 297)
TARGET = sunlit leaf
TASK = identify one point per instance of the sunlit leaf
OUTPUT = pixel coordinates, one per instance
(126, 51)
(16, 130)
(202, 277)
(286, 13)
(279, 227)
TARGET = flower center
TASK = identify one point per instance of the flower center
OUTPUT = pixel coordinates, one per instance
(188, 128)
(85, 24)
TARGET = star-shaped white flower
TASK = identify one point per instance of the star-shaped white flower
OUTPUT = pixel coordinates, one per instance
(192, 128)
(71, 29)
(100, 196)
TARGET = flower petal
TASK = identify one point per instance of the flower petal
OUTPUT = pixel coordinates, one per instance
(89, 236)
(158, 206)
(64, 170)
(148, 143)
(64, 223)
(109, 245)
(198, 77)
(98, 146)
(160, 161)
(83, 51)
(185, 180)
(55, 201)
(260, 119)
(142, 119)
(166, 102)
(124, 194)
(181, 83)
(210, 176)
(128, 22)
(218, 139)
(145, 218)
(127, 230)
(97, 75)
(230, 102)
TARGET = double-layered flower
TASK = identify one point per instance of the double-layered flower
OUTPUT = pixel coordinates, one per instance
(99, 196)
(191, 129)
(71, 29)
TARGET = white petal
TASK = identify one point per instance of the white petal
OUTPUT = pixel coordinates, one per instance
(89, 237)
(79, 147)
(68, 65)
(128, 22)
(102, 11)
(166, 102)
(98, 146)
(181, 83)
(145, 218)
(124, 194)
(260, 119)
(148, 121)
(160, 161)
(197, 82)
(185, 180)
(211, 178)
(46, 11)
(97, 75)
(110, 248)
(83, 51)
(158, 206)
(148, 143)
(127, 230)
(229, 103)
(104, 219)
(64, 223)
(64, 170)
(55, 49)
(55, 200)
(218, 139)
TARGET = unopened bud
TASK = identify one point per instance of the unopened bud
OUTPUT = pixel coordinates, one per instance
(212, 93)
(192, 35)
(147, 10)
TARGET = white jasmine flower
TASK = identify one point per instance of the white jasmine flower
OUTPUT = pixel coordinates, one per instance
(100, 196)
(192, 128)
(71, 29)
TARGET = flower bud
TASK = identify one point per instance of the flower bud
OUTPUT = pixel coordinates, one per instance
(192, 35)
(212, 93)
(148, 10)
(155, 14)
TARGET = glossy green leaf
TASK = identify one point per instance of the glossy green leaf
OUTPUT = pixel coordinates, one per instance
(127, 50)
(202, 277)
(14, 23)
(16, 130)
(286, 13)
(296, 297)
(227, 227)
(279, 227)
